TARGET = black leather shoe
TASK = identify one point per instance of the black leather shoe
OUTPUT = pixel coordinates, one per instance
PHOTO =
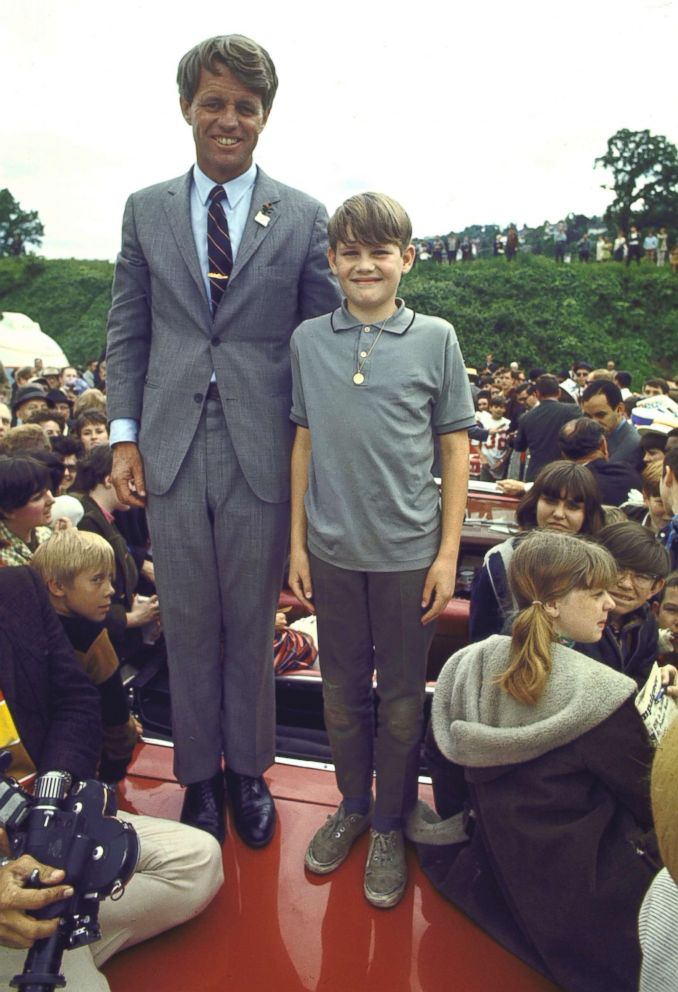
(204, 806)
(253, 809)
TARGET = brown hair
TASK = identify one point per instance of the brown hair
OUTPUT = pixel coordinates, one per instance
(545, 567)
(370, 219)
(563, 480)
(240, 55)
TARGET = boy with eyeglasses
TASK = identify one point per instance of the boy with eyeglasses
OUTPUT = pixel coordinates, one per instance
(629, 641)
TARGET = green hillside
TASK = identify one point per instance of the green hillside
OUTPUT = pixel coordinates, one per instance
(533, 310)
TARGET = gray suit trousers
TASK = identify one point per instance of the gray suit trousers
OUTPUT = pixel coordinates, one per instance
(219, 554)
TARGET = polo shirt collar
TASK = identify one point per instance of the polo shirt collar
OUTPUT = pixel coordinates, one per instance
(235, 188)
(397, 323)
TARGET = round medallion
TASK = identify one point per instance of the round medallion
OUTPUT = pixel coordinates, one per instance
(358, 378)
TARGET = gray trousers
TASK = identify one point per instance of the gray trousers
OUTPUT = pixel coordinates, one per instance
(219, 553)
(368, 621)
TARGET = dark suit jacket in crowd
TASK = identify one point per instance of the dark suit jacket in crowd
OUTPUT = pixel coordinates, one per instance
(614, 479)
(538, 430)
(54, 705)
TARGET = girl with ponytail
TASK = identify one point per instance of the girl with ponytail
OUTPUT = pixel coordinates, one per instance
(540, 762)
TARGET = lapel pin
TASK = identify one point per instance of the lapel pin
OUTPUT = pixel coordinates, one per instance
(264, 215)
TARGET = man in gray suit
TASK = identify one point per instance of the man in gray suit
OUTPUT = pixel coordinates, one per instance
(199, 394)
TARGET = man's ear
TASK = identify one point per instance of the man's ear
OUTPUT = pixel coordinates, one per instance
(108, 481)
(604, 448)
(185, 109)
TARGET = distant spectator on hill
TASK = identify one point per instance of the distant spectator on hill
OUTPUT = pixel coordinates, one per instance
(602, 401)
(583, 441)
(437, 249)
(619, 249)
(650, 243)
(451, 248)
(512, 243)
(662, 246)
(584, 248)
(655, 387)
(467, 250)
(538, 428)
(560, 242)
(633, 246)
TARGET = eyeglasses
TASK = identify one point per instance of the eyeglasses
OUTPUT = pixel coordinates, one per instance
(70, 469)
(637, 579)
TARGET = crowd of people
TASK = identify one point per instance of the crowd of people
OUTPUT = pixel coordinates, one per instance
(599, 246)
(234, 425)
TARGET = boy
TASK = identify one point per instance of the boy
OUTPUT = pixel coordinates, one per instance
(493, 450)
(665, 609)
(629, 641)
(77, 568)
(371, 550)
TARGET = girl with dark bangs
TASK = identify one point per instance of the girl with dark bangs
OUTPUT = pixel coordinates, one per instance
(564, 499)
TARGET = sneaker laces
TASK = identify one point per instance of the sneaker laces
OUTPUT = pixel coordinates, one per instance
(384, 847)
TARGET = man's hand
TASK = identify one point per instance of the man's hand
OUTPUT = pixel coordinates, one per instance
(145, 609)
(438, 588)
(128, 474)
(512, 487)
(17, 928)
(300, 578)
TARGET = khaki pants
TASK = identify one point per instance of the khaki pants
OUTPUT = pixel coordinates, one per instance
(178, 875)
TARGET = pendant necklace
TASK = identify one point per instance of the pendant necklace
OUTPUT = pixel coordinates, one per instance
(358, 376)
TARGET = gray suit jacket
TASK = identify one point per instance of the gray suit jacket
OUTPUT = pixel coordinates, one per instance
(163, 343)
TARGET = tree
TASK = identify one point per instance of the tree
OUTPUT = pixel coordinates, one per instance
(644, 168)
(18, 227)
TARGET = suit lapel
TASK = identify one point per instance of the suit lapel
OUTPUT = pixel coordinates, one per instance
(265, 192)
(178, 210)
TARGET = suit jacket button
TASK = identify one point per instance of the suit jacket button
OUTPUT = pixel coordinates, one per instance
(198, 397)
(215, 341)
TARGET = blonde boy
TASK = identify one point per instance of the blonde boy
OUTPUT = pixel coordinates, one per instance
(77, 567)
(373, 550)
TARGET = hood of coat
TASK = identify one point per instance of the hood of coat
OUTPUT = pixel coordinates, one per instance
(479, 725)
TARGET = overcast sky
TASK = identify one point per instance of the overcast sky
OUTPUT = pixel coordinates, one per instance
(482, 111)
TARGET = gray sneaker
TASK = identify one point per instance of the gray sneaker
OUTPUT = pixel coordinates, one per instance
(330, 845)
(386, 869)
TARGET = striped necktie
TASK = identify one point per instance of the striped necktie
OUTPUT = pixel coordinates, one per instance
(219, 252)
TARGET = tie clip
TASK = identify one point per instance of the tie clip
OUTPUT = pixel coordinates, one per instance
(216, 275)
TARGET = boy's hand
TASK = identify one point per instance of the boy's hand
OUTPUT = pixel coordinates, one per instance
(300, 578)
(438, 589)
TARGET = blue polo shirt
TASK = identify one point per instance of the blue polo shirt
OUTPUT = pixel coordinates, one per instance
(372, 503)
